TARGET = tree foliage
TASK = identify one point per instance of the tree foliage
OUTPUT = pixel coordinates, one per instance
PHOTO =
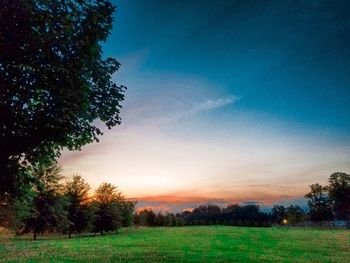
(234, 214)
(48, 207)
(279, 214)
(318, 201)
(339, 194)
(54, 82)
(108, 214)
(68, 208)
(295, 214)
(79, 212)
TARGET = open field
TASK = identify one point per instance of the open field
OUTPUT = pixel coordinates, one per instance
(185, 244)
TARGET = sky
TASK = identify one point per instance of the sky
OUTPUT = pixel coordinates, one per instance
(227, 101)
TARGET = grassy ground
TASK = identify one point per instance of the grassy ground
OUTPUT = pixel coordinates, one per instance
(185, 244)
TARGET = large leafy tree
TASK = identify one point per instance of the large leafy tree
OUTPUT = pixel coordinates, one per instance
(339, 194)
(54, 81)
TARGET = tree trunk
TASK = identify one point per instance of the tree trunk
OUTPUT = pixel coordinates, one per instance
(34, 235)
(69, 234)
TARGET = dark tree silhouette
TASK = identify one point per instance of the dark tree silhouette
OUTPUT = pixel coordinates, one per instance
(147, 217)
(279, 213)
(295, 214)
(54, 81)
(339, 194)
(319, 206)
(249, 215)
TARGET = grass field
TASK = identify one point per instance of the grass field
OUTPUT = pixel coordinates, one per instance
(185, 244)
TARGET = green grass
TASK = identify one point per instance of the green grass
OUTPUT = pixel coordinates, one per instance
(185, 244)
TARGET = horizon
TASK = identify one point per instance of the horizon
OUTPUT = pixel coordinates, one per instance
(227, 101)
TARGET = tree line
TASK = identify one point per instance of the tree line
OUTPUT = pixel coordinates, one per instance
(231, 215)
(325, 203)
(51, 205)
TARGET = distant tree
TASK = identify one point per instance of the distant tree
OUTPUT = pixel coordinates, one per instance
(250, 215)
(170, 220)
(107, 208)
(231, 208)
(138, 219)
(206, 215)
(279, 213)
(339, 194)
(49, 207)
(127, 212)
(150, 217)
(229, 214)
(77, 193)
(160, 219)
(295, 214)
(319, 204)
(54, 81)
(181, 219)
(213, 214)
(147, 217)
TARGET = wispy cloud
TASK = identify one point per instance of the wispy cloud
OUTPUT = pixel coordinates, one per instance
(210, 105)
(203, 106)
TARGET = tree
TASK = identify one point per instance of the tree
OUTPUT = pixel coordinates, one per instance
(146, 217)
(140, 218)
(250, 215)
(54, 82)
(77, 194)
(170, 219)
(295, 214)
(279, 214)
(108, 209)
(150, 217)
(339, 194)
(14, 207)
(229, 213)
(49, 207)
(160, 219)
(127, 212)
(319, 205)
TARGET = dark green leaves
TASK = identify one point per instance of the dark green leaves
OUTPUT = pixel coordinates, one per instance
(54, 82)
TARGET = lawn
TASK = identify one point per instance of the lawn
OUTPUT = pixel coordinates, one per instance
(185, 244)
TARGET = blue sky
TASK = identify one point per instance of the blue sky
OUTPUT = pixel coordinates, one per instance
(236, 100)
(289, 59)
